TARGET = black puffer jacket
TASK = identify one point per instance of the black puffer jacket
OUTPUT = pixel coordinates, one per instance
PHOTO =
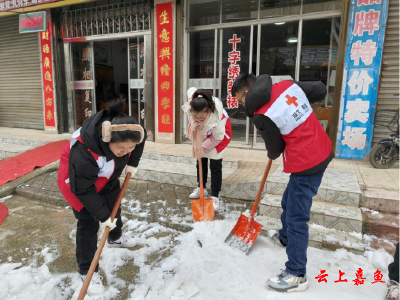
(83, 168)
(260, 94)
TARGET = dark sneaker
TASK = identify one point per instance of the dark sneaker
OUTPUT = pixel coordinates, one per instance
(275, 238)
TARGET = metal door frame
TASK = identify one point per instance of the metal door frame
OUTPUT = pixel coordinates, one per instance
(146, 34)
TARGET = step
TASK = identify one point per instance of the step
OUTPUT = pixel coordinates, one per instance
(383, 226)
(328, 215)
(32, 143)
(9, 150)
(174, 173)
(242, 181)
(185, 159)
(339, 187)
(381, 200)
(321, 237)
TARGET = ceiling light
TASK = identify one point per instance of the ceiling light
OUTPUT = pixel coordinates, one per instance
(280, 23)
(292, 40)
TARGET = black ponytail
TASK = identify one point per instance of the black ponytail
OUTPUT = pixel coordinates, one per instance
(201, 101)
(117, 117)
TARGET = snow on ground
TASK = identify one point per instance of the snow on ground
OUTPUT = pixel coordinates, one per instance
(205, 268)
(202, 267)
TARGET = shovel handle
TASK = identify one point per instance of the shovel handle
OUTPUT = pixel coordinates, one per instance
(201, 182)
(103, 240)
(255, 205)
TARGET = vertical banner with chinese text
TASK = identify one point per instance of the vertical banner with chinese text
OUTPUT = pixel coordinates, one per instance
(233, 71)
(365, 37)
(45, 38)
(165, 66)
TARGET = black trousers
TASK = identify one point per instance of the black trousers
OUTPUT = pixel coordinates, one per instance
(86, 233)
(394, 266)
(216, 174)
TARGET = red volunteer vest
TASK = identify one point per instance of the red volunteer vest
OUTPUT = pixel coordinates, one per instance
(105, 172)
(307, 144)
(228, 133)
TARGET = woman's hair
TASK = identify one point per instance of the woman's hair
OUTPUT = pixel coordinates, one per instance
(202, 100)
(116, 113)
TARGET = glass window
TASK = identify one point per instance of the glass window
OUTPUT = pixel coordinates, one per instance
(204, 12)
(318, 61)
(237, 115)
(319, 53)
(279, 8)
(310, 6)
(239, 10)
(278, 49)
(136, 56)
(201, 74)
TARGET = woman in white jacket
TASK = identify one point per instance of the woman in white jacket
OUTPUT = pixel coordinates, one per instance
(207, 113)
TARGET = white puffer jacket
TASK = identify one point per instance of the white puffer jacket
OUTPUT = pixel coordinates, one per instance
(215, 124)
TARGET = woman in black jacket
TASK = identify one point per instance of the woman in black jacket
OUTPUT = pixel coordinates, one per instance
(88, 175)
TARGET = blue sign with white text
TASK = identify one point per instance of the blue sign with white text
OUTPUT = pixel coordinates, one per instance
(365, 37)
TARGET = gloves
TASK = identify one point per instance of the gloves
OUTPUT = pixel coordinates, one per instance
(132, 170)
(210, 144)
(108, 223)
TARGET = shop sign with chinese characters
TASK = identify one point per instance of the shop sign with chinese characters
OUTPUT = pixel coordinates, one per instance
(32, 22)
(165, 65)
(233, 72)
(15, 4)
(48, 78)
(362, 66)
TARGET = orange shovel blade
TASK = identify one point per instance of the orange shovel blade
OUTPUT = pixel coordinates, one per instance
(244, 234)
(202, 210)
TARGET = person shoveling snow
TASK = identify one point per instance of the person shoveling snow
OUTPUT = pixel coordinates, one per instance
(88, 175)
(288, 125)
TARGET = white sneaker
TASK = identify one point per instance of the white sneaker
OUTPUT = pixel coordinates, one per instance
(392, 292)
(196, 193)
(96, 285)
(287, 283)
(122, 242)
(216, 204)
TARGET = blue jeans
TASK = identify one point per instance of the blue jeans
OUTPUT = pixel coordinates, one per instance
(296, 204)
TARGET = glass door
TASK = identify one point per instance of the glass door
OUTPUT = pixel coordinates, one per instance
(137, 53)
(83, 84)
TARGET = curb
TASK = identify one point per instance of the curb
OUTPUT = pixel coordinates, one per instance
(10, 187)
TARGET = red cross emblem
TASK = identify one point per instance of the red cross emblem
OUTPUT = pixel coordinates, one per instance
(291, 100)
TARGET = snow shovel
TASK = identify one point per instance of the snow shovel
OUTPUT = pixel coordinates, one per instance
(103, 240)
(3, 212)
(246, 230)
(202, 209)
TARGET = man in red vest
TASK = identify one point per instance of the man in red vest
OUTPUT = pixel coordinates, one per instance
(288, 125)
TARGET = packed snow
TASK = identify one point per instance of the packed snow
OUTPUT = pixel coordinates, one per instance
(201, 267)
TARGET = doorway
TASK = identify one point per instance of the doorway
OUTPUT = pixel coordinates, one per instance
(103, 70)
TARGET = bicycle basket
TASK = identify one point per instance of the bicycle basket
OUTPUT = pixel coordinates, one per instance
(386, 117)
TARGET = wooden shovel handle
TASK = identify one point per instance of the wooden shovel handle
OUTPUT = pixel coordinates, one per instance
(254, 210)
(103, 240)
(201, 182)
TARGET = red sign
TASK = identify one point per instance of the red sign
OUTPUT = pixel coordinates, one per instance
(233, 71)
(165, 65)
(15, 4)
(47, 77)
(32, 22)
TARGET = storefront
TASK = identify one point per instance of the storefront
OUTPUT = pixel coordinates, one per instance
(286, 39)
(108, 53)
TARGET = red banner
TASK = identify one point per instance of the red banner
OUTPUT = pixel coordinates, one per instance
(47, 77)
(165, 64)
